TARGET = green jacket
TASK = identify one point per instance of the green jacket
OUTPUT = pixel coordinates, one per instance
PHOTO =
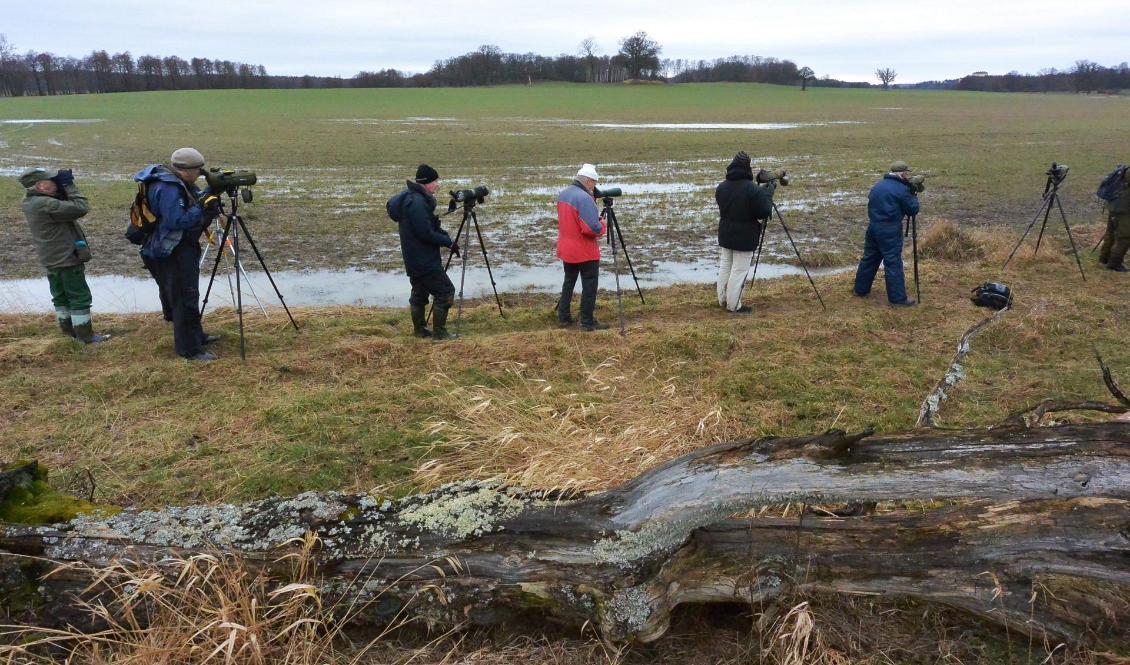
(1121, 205)
(54, 227)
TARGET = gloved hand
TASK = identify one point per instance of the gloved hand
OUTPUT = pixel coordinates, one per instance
(455, 248)
(211, 207)
(64, 177)
(771, 187)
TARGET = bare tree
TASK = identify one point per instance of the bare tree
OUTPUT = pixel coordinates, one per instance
(886, 76)
(1085, 75)
(641, 55)
(588, 50)
(805, 74)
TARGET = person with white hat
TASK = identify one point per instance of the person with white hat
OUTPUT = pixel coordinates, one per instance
(579, 226)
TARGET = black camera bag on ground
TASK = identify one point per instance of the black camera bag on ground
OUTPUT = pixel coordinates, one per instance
(993, 295)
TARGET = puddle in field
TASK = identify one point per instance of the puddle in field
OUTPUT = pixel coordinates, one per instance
(413, 120)
(700, 126)
(50, 121)
(124, 295)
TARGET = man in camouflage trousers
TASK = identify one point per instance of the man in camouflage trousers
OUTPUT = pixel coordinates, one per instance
(1117, 238)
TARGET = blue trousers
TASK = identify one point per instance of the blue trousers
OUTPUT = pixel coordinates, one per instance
(179, 274)
(882, 244)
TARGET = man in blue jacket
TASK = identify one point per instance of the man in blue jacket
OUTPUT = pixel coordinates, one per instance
(421, 236)
(890, 201)
(173, 249)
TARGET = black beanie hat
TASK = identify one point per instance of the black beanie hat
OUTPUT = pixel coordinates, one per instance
(426, 174)
(740, 168)
(741, 159)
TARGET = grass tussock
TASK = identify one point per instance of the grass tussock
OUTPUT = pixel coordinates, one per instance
(944, 240)
(202, 609)
(534, 432)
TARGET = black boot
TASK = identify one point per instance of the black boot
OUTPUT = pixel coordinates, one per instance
(67, 327)
(84, 332)
(420, 322)
(439, 317)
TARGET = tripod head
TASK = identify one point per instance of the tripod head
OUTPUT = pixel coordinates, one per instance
(1056, 174)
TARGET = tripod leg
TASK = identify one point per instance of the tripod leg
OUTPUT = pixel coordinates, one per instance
(1025, 234)
(1047, 212)
(462, 280)
(616, 226)
(486, 260)
(238, 291)
(263, 263)
(215, 267)
(913, 221)
(616, 268)
(1070, 238)
(756, 256)
(796, 251)
(450, 254)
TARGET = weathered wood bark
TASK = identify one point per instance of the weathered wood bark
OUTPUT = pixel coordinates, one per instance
(1040, 542)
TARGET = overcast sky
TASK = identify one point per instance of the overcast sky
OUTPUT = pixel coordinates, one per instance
(845, 39)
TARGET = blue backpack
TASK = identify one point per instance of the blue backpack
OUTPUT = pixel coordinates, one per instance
(1112, 185)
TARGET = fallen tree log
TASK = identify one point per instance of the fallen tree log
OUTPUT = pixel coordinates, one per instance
(1038, 540)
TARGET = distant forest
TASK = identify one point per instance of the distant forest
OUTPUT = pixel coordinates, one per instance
(638, 59)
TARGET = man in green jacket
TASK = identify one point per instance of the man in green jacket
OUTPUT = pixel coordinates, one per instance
(1117, 239)
(53, 206)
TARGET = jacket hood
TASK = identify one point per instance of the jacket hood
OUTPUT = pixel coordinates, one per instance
(156, 172)
(419, 189)
(739, 171)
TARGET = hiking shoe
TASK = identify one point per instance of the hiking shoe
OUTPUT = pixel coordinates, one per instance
(422, 333)
(1118, 268)
(210, 339)
(859, 295)
(202, 357)
(442, 335)
(744, 309)
(566, 324)
(909, 302)
(595, 325)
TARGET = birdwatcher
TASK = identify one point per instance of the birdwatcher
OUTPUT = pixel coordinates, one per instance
(579, 226)
(742, 207)
(173, 248)
(53, 205)
(1117, 238)
(421, 237)
(890, 201)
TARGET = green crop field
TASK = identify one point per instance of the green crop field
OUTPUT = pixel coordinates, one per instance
(329, 159)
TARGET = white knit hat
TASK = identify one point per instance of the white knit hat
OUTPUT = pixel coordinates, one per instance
(589, 171)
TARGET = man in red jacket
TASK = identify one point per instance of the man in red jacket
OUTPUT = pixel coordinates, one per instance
(579, 225)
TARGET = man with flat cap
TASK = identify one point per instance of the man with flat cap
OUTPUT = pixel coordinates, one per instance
(421, 237)
(890, 201)
(53, 206)
(172, 250)
(579, 226)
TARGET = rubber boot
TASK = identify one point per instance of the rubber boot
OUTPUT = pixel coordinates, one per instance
(84, 328)
(66, 326)
(420, 322)
(439, 317)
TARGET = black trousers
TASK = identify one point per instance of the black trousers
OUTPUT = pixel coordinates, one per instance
(435, 284)
(589, 272)
(166, 305)
(179, 275)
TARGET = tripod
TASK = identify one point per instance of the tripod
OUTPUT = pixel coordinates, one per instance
(789, 235)
(469, 213)
(614, 236)
(1056, 175)
(233, 229)
(912, 232)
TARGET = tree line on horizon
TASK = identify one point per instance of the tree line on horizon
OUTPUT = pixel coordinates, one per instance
(637, 59)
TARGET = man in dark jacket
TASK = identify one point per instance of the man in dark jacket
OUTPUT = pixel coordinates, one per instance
(421, 236)
(890, 201)
(53, 206)
(742, 206)
(174, 246)
(1116, 241)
